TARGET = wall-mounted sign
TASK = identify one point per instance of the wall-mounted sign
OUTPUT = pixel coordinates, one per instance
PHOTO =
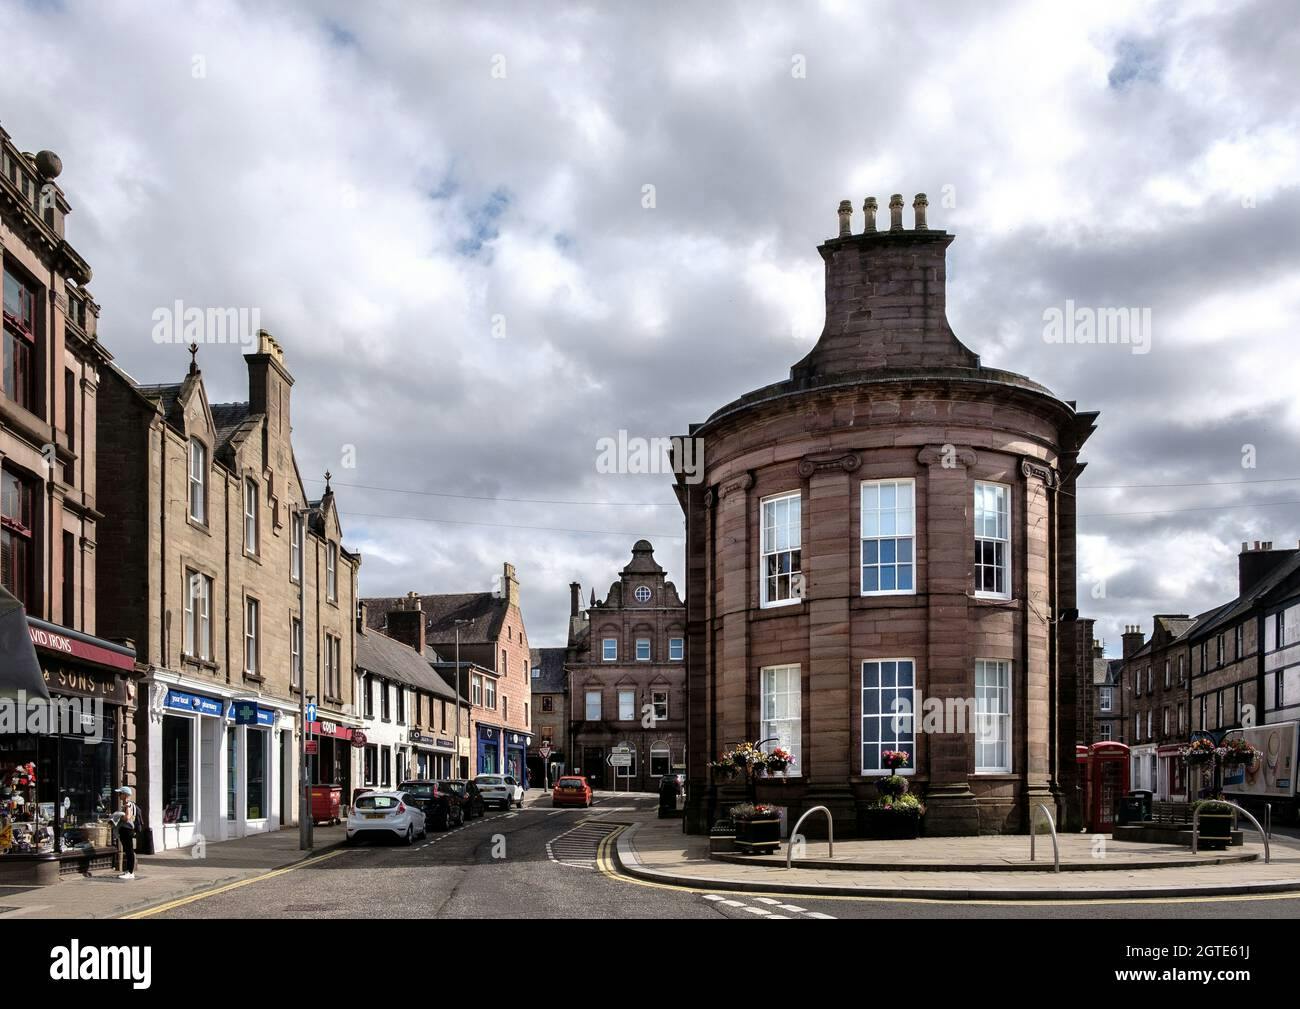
(64, 679)
(179, 700)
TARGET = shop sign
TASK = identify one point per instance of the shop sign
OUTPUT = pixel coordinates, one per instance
(445, 744)
(312, 747)
(419, 738)
(358, 739)
(245, 713)
(61, 679)
(181, 701)
(52, 641)
(329, 729)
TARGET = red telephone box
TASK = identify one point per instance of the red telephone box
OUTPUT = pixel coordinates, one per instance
(1104, 768)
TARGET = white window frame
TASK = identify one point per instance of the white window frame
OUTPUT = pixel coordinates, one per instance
(660, 750)
(252, 630)
(490, 693)
(251, 531)
(676, 649)
(476, 690)
(1106, 700)
(297, 528)
(1103, 731)
(626, 704)
(872, 530)
(331, 572)
(639, 591)
(780, 711)
(609, 649)
(198, 481)
(779, 545)
(639, 656)
(295, 652)
(993, 707)
(587, 699)
(659, 698)
(885, 715)
(993, 528)
(198, 619)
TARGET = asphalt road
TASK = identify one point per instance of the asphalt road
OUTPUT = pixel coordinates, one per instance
(539, 862)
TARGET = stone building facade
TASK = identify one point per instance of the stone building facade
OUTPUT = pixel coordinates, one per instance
(485, 632)
(550, 753)
(627, 677)
(51, 520)
(235, 586)
(1154, 694)
(893, 518)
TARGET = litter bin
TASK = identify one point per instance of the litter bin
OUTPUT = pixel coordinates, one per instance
(325, 803)
(1135, 806)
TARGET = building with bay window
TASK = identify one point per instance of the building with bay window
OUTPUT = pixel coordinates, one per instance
(881, 556)
(626, 672)
(51, 516)
(235, 586)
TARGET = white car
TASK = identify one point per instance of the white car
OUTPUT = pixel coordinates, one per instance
(500, 790)
(385, 814)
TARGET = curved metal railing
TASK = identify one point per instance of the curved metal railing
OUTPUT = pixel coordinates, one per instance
(830, 833)
(1196, 828)
(1051, 822)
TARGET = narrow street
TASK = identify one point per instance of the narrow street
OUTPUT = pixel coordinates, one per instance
(540, 862)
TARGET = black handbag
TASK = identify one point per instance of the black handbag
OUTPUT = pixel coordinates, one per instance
(143, 834)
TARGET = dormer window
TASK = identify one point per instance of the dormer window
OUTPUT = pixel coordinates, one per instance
(198, 481)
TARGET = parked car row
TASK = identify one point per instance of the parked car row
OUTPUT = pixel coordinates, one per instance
(407, 812)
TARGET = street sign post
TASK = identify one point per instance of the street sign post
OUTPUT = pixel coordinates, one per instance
(620, 756)
(311, 711)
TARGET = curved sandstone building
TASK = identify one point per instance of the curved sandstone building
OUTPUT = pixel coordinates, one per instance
(892, 521)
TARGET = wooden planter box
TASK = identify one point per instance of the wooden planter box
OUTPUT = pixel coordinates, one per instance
(890, 824)
(1215, 831)
(722, 837)
(758, 837)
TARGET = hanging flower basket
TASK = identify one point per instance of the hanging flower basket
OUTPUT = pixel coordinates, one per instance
(1198, 752)
(1237, 752)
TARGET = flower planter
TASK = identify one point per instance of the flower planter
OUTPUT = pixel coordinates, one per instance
(1215, 831)
(758, 837)
(722, 837)
(890, 824)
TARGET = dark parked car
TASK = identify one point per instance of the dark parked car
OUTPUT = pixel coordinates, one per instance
(441, 805)
(471, 799)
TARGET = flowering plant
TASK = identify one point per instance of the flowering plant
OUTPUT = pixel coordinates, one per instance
(779, 759)
(740, 759)
(894, 759)
(906, 803)
(753, 811)
(1237, 751)
(1199, 751)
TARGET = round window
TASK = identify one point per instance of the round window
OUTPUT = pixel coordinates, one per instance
(642, 594)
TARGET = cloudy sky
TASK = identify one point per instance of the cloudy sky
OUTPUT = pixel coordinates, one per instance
(440, 211)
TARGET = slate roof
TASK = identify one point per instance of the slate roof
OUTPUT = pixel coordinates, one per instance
(485, 613)
(391, 659)
(554, 678)
(1239, 607)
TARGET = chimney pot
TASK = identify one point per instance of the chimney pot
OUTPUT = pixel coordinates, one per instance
(869, 208)
(896, 212)
(918, 208)
(846, 218)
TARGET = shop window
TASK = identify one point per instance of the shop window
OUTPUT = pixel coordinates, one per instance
(177, 761)
(232, 773)
(888, 537)
(17, 535)
(781, 706)
(660, 760)
(385, 767)
(780, 545)
(887, 725)
(992, 716)
(255, 758)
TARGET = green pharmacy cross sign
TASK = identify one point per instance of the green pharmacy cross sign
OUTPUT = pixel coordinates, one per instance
(245, 714)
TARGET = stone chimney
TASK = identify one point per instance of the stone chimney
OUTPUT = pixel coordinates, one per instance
(407, 624)
(885, 298)
(269, 383)
(1256, 562)
(509, 583)
(361, 616)
(1134, 638)
(575, 598)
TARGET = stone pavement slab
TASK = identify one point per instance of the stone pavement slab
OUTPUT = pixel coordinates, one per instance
(169, 875)
(656, 850)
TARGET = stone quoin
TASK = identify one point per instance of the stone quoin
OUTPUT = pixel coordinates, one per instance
(893, 516)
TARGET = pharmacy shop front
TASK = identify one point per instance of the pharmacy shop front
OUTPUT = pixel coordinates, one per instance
(219, 767)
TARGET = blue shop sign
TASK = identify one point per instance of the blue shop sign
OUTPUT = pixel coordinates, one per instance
(181, 701)
(247, 713)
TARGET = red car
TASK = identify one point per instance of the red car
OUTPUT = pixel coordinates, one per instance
(571, 791)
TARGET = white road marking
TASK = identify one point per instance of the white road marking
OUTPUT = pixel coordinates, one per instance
(719, 901)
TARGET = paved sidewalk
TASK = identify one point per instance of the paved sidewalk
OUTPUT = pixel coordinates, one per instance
(169, 875)
(656, 850)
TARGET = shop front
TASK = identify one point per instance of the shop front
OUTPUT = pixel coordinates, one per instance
(516, 766)
(431, 755)
(332, 764)
(489, 750)
(61, 759)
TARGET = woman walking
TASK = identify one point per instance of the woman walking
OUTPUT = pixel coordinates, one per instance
(128, 822)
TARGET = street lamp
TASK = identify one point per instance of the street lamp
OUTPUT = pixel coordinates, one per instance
(457, 624)
(305, 824)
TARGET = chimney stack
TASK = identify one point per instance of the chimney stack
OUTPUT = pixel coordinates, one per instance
(885, 298)
(1255, 564)
(407, 624)
(361, 616)
(510, 584)
(1134, 639)
(575, 596)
